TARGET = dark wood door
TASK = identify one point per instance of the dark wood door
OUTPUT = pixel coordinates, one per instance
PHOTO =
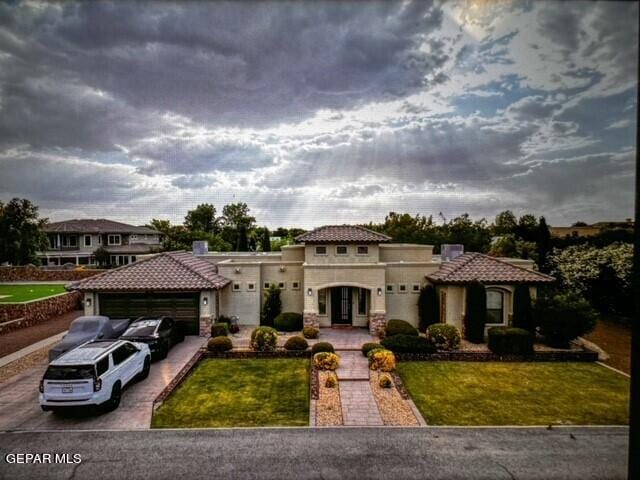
(341, 308)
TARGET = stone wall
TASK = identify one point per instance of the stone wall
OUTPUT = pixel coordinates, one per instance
(377, 324)
(311, 320)
(38, 311)
(30, 273)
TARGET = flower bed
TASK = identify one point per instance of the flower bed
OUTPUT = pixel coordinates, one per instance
(394, 409)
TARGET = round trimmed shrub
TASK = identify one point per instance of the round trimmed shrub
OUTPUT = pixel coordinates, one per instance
(385, 381)
(563, 318)
(288, 322)
(220, 329)
(310, 332)
(322, 347)
(382, 360)
(296, 343)
(400, 327)
(367, 347)
(326, 361)
(443, 336)
(264, 339)
(510, 341)
(219, 344)
(408, 344)
(331, 381)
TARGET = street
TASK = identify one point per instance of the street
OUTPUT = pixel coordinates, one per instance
(367, 453)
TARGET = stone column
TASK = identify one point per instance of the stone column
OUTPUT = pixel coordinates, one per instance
(311, 319)
(205, 326)
(377, 323)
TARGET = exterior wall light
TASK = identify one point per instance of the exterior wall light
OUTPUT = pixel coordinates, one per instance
(379, 292)
(205, 301)
(87, 302)
(309, 291)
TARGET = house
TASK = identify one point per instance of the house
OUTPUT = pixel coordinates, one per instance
(334, 276)
(584, 230)
(74, 241)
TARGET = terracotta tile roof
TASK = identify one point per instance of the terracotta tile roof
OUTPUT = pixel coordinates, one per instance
(99, 225)
(343, 234)
(471, 266)
(168, 271)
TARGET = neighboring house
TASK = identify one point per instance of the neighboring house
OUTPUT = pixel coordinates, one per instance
(74, 241)
(335, 275)
(590, 230)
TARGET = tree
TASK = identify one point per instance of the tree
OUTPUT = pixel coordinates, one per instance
(513, 247)
(202, 218)
(243, 242)
(428, 307)
(527, 228)
(102, 256)
(522, 313)
(236, 218)
(476, 312)
(504, 223)
(265, 242)
(272, 306)
(543, 239)
(21, 234)
(562, 318)
(179, 237)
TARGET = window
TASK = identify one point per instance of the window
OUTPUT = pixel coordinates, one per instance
(402, 288)
(389, 288)
(251, 287)
(87, 240)
(415, 288)
(363, 250)
(282, 285)
(120, 354)
(495, 306)
(99, 239)
(295, 285)
(236, 287)
(322, 301)
(71, 241)
(114, 239)
(102, 366)
(362, 301)
(341, 250)
(266, 285)
(321, 250)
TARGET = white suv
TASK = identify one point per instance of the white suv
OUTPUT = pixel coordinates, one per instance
(94, 374)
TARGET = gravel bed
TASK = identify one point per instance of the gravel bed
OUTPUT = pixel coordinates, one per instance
(328, 407)
(393, 408)
(39, 357)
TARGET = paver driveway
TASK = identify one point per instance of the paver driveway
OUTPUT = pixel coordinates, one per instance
(20, 410)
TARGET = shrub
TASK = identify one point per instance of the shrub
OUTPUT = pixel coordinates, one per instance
(382, 360)
(296, 343)
(310, 332)
(233, 327)
(407, 344)
(385, 381)
(326, 361)
(272, 306)
(367, 347)
(224, 319)
(219, 344)
(443, 336)
(510, 341)
(562, 318)
(522, 314)
(219, 329)
(322, 347)
(331, 381)
(476, 312)
(264, 339)
(400, 327)
(428, 307)
(288, 322)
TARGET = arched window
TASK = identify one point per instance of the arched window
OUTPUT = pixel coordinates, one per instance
(495, 306)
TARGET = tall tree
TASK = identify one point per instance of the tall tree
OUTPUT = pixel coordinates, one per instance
(272, 306)
(21, 234)
(522, 312)
(504, 223)
(237, 222)
(527, 228)
(265, 242)
(243, 241)
(428, 307)
(202, 219)
(476, 312)
(544, 245)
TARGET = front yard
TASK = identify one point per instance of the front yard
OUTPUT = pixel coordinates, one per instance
(16, 293)
(493, 393)
(240, 393)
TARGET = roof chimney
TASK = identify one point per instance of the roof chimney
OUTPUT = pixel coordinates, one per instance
(449, 251)
(200, 247)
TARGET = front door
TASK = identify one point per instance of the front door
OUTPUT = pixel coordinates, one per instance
(341, 306)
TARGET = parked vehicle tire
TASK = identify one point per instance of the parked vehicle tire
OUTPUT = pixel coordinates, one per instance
(116, 394)
(145, 369)
(46, 408)
(164, 351)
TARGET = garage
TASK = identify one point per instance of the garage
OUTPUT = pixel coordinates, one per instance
(179, 285)
(182, 307)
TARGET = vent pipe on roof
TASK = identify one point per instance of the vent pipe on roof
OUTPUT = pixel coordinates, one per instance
(449, 252)
(200, 247)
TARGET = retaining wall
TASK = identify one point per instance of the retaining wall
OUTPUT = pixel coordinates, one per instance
(38, 311)
(30, 273)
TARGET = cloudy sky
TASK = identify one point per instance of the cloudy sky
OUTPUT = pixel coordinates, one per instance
(320, 112)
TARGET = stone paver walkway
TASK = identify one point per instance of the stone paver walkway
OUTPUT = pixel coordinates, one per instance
(359, 407)
(340, 338)
(353, 366)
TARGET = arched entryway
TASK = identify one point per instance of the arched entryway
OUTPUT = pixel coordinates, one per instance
(344, 304)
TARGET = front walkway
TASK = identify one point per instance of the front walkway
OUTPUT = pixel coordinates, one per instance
(340, 338)
(359, 407)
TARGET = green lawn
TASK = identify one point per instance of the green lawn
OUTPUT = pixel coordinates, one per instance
(494, 393)
(12, 293)
(240, 393)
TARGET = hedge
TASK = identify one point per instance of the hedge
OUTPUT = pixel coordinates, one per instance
(510, 341)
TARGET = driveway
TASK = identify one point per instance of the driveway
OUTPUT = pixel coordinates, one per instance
(327, 453)
(20, 410)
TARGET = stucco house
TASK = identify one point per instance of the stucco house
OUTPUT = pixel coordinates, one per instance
(339, 275)
(74, 241)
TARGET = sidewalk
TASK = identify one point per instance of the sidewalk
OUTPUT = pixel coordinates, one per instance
(359, 407)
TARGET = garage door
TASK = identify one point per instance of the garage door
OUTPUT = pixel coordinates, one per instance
(183, 307)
